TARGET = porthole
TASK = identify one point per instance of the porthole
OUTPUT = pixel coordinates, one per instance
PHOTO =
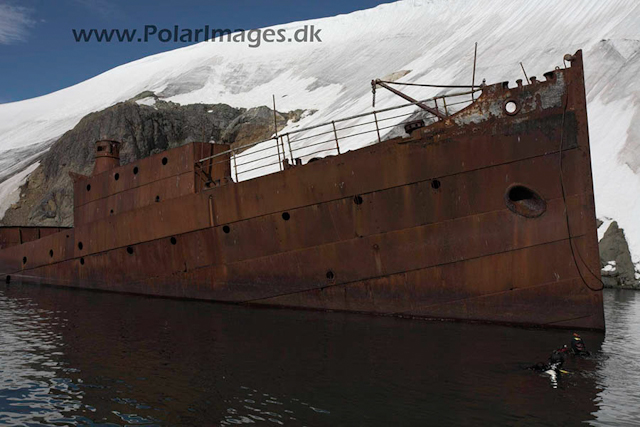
(173, 240)
(8, 279)
(357, 200)
(24, 259)
(511, 107)
(157, 199)
(80, 245)
(81, 261)
(129, 250)
(51, 253)
(435, 184)
(116, 176)
(286, 216)
(135, 170)
(88, 187)
(111, 211)
(524, 201)
(164, 161)
(226, 229)
(330, 275)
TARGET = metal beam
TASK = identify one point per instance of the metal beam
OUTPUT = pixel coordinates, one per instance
(425, 107)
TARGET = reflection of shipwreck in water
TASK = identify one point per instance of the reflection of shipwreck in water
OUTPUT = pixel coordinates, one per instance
(486, 214)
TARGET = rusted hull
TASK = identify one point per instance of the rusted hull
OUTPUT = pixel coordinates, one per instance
(13, 236)
(426, 226)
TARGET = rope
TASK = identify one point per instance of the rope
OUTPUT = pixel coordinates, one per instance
(566, 213)
(427, 85)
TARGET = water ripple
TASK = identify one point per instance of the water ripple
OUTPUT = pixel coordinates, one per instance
(84, 358)
(33, 388)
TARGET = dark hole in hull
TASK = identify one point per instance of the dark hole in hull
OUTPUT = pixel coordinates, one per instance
(525, 201)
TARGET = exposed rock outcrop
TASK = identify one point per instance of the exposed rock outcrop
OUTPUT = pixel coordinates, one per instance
(47, 196)
(256, 124)
(618, 270)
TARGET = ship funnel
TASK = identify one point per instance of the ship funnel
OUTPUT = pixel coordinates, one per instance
(107, 156)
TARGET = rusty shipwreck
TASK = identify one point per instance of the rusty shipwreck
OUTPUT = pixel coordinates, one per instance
(486, 214)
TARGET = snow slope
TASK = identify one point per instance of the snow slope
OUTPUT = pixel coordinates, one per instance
(9, 193)
(432, 38)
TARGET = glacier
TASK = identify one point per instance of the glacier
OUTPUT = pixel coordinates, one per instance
(431, 39)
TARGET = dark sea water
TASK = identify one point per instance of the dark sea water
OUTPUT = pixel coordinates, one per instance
(70, 357)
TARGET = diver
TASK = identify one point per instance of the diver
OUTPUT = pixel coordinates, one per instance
(553, 367)
(554, 363)
(578, 348)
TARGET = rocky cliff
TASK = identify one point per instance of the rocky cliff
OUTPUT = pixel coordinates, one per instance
(618, 270)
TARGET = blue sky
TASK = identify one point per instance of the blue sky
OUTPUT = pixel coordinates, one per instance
(39, 54)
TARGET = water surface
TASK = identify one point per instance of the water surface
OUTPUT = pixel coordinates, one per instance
(84, 358)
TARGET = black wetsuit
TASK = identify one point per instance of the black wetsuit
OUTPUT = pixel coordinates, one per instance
(577, 346)
(555, 361)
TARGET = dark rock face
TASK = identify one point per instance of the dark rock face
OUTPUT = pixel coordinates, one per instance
(256, 124)
(47, 196)
(618, 270)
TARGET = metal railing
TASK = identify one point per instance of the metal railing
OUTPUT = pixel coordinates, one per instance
(306, 144)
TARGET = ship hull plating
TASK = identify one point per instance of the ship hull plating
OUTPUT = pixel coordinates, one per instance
(487, 216)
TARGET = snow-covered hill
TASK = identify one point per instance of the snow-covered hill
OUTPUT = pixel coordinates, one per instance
(431, 38)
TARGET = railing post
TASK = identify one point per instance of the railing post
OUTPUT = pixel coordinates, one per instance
(290, 150)
(335, 133)
(278, 148)
(375, 118)
(284, 155)
(473, 79)
(235, 164)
